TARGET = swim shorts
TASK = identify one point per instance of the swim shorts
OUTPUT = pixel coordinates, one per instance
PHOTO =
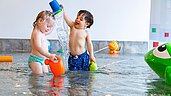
(79, 62)
(34, 58)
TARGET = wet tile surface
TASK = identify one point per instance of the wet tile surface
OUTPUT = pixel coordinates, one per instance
(117, 75)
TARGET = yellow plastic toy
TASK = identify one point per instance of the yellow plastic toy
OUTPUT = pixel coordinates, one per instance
(114, 47)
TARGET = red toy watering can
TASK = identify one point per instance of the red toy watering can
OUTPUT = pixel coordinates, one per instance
(57, 66)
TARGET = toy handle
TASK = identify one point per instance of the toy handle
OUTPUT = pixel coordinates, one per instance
(58, 58)
(48, 62)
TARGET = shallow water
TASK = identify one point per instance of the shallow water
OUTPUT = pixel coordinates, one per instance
(122, 75)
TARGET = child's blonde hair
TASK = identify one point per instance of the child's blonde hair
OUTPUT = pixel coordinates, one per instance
(43, 14)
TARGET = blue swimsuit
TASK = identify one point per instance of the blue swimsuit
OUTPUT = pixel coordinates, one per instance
(79, 62)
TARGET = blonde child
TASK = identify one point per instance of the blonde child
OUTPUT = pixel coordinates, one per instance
(43, 26)
(79, 37)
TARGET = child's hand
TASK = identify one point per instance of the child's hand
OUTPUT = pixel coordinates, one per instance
(92, 58)
(62, 6)
(52, 57)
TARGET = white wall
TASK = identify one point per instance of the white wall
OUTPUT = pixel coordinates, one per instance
(161, 21)
(123, 20)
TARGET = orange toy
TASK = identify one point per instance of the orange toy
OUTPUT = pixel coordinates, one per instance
(6, 58)
(57, 68)
(114, 47)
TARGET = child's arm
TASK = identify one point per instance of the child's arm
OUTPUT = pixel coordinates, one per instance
(69, 22)
(90, 47)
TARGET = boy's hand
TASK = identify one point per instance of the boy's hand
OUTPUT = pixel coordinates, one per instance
(92, 58)
(62, 6)
(52, 57)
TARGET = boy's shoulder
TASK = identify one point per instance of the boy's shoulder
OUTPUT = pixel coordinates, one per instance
(86, 31)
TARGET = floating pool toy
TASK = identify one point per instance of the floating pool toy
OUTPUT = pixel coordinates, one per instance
(55, 7)
(159, 59)
(57, 66)
(93, 66)
(6, 58)
(114, 47)
(60, 51)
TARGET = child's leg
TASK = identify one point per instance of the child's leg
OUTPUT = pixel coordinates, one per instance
(36, 68)
(45, 69)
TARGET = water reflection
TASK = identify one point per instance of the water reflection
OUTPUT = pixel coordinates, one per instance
(80, 83)
(37, 84)
(73, 83)
(57, 85)
(133, 77)
(158, 87)
(41, 86)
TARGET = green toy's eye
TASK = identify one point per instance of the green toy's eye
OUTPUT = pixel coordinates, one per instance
(162, 48)
(161, 52)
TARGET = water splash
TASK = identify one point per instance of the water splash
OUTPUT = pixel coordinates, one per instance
(62, 33)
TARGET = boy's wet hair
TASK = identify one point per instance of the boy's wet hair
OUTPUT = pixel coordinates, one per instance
(88, 16)
(43, 14)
